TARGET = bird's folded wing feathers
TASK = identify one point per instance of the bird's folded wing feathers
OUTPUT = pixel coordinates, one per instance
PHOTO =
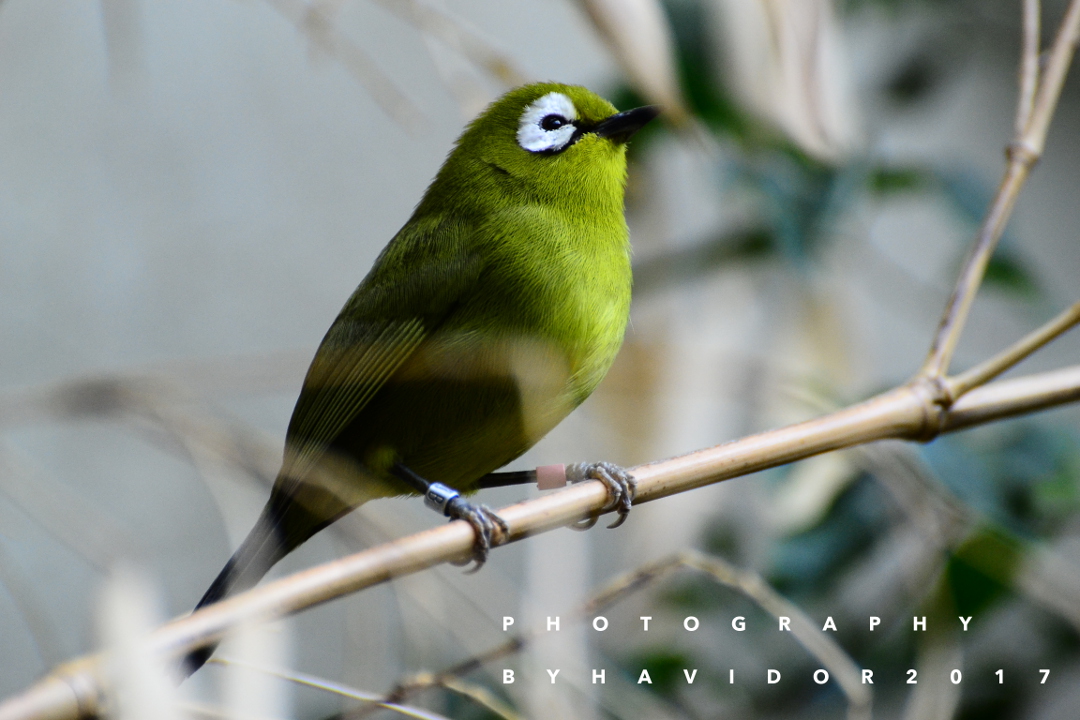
(345, 375)
(364, 347)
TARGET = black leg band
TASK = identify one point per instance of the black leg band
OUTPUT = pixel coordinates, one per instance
(503, 479)
(410, 478)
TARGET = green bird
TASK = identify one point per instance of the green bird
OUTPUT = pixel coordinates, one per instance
(494, 312)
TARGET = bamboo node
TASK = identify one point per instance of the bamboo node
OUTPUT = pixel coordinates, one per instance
(1022, 152)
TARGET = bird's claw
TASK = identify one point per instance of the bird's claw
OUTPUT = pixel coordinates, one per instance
(490, 529)
(585, 523)
(621, 485)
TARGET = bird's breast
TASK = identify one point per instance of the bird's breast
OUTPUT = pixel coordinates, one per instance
(571, 292)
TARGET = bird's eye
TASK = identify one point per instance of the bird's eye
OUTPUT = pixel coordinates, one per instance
(547, 125)
(552, 122)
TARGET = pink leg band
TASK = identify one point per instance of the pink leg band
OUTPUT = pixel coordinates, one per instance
(549, 477)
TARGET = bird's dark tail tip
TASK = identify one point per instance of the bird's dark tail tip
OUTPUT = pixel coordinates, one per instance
(283, 525)
(263, 547)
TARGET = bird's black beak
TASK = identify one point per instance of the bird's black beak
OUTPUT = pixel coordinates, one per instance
(619, 128)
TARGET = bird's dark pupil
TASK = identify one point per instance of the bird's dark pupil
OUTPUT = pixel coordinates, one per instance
(552, 122)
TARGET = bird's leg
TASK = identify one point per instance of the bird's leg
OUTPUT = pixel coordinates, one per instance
(620, 484)
(621, 487)
(489, 527)
(503, 479)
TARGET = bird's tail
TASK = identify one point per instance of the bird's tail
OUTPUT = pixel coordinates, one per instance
(294, 513)
(281, 528)
(261, 549)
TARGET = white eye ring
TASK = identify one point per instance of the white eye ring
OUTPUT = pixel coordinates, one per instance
(553, 107)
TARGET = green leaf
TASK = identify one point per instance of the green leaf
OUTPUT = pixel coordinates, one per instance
(884, 181)
(1006, 272)
(980, 571)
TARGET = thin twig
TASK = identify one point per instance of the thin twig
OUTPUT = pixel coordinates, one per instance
(34, 611)
(80, 526)
(821, 646)
(481, 696)
(461, 37)
(1023, 153)
(1009, 398)
(330, 686)
(956, 312)
(1029, 64)
(1053, 78)
(324, 35)
(989, 369)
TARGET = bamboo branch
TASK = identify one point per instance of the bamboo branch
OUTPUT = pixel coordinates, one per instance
(956, 312)
(908, 412)
(1053, 77)
(1023, 153)
(991, 368)
(1009, 398)
(1029, 64)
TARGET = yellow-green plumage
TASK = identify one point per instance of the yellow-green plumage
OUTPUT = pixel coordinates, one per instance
(493, 313)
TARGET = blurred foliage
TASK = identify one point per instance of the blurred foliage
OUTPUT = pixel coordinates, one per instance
(898, 5)
(1022, 475)
(799, 198)
(1019, 480)
(979, 572)
(805, 563)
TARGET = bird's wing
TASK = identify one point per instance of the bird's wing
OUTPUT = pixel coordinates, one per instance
(353, 362)
(415, 285)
